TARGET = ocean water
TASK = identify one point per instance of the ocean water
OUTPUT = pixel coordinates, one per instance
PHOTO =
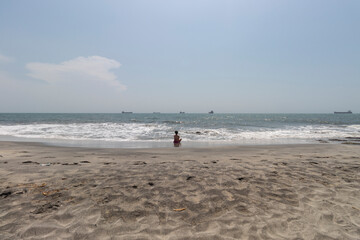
(157, 129)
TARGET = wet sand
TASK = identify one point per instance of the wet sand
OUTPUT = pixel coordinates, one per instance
(245, 192)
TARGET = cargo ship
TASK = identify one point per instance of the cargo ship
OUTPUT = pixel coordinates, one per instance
(348, 112)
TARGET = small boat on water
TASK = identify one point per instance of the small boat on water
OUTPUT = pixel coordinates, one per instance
(211, 112)
(182, 112)
(348, 112)
(126, 112)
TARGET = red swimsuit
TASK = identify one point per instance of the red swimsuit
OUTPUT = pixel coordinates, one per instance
(176, 139)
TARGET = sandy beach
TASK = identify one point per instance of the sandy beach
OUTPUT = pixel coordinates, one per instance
(244, 192)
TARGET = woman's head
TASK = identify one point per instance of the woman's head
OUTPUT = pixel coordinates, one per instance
(176, 132)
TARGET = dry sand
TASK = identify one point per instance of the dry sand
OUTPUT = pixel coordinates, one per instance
(246, 192)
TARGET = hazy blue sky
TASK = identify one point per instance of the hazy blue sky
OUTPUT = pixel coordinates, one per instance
(269, 56)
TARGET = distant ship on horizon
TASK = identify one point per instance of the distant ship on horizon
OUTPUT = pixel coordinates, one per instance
(126, 112)
(348, 112)
(211, 112)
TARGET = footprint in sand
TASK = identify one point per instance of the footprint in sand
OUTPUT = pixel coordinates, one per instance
(296, 226)
(46, 207)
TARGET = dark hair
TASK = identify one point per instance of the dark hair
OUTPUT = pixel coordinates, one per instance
(176, 132)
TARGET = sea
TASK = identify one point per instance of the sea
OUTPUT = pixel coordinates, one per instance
(149, 130)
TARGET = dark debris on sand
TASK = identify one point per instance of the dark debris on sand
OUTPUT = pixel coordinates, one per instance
(5, 194)
(30, 162)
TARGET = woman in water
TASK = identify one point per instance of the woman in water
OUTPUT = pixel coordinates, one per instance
(177, 138)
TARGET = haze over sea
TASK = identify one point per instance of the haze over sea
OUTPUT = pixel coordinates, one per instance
(140, 130)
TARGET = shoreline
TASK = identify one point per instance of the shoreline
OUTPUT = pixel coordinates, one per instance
(302, 191)
(154, 144)
(169, 147)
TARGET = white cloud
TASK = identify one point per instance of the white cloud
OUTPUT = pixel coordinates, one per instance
(94, 68)
(5, 59)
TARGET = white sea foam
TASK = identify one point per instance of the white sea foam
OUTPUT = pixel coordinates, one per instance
(133, 132)
(302, 132)
(86, 131)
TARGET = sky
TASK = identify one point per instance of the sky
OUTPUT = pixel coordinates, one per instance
(232, 56)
